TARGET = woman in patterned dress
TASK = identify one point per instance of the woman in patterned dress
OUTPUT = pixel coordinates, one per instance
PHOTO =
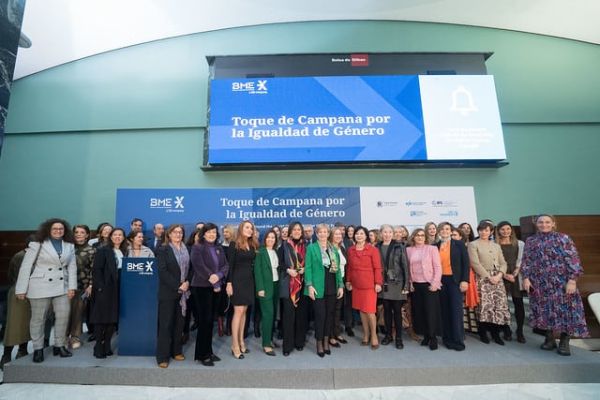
(550, 269)
(488, 263)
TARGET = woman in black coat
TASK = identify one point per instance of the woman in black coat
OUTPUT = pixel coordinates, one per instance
(105, 291)
(455, 281)
(173, 290)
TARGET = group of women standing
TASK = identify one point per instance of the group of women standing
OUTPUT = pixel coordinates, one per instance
(433, 267)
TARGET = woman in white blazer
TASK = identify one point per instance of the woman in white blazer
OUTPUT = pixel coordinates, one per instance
(48, 275)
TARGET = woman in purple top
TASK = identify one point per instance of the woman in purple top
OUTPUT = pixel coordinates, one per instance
(209, 268)
(550, 269)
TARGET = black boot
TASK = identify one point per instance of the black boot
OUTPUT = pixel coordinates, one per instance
(563, 345)
(482, 330)
(38, 356)
(520, 336)
(496, 335)
(507, 333)
(549, 343)
(99, 351)
(61, 351)
(22, 352)
(399, 343)
(6, 358)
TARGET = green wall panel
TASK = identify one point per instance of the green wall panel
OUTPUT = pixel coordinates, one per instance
(163, 84)
(134, 117)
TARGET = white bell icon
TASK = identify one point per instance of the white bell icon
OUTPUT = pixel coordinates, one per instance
(462, 101)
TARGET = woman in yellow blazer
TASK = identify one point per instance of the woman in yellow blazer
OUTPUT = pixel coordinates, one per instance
(266, 281)
(323, 284)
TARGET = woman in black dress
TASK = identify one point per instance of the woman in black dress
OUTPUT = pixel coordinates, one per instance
(240, 283)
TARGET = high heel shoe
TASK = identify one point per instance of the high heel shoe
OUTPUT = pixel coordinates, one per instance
(239, 356)
(38, 356)
(244, 350)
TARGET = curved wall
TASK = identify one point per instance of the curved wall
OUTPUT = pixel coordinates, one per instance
(135, 117)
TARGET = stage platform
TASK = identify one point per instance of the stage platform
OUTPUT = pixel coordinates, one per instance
(351, 366)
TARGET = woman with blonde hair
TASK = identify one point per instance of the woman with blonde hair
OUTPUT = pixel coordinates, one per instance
(550, 268)
(240, 283)
(425, 279)
(323, 283)
(431, 233)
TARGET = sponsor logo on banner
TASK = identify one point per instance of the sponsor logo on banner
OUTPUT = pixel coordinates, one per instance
(142, 268)
(450, 213)
(411, 203)
(169, 204)
(417, 213)
(381, 204)
(444, 203)
(251, 87)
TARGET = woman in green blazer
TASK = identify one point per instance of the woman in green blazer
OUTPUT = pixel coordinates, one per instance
(266, 281)
(323, 284)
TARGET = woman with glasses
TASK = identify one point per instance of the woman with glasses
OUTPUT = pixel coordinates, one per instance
(48, 277)
(425, 278)
(173, 291)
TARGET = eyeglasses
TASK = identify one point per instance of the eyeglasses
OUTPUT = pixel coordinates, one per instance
(58, 229)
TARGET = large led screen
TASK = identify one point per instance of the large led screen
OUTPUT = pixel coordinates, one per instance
(354, 119)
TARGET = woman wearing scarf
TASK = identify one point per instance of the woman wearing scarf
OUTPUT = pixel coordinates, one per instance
(395, 284)
(173, 265)
(292, 253)
(323, 285)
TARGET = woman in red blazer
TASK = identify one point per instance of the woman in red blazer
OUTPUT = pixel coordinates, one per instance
(364, 278)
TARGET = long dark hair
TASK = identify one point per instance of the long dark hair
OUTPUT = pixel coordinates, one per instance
(43, 232)
(124, 244)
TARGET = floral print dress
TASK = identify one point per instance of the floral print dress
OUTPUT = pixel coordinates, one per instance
(549, 261)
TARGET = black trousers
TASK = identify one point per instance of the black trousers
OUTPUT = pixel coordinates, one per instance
(348, 312)
(294, 323)
(191, 311)
(324, 316)
(170, 329)
(104, 334)
(519, 313)
(426, 310)
(451, 302)
(204, 298)
(337, 322)
(392, 313)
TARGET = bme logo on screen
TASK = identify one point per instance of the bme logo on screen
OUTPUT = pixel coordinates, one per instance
(250, 87)
(169, 204)
(141, 268)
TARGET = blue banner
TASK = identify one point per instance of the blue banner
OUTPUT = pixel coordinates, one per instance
(333, 119)
(263, 206)
(138, 312)
(316, 119)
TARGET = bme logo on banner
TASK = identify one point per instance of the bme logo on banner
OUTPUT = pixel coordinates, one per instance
(142, 268)
(169, 204)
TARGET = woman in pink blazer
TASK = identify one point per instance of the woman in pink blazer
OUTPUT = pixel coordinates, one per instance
(425, 277)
